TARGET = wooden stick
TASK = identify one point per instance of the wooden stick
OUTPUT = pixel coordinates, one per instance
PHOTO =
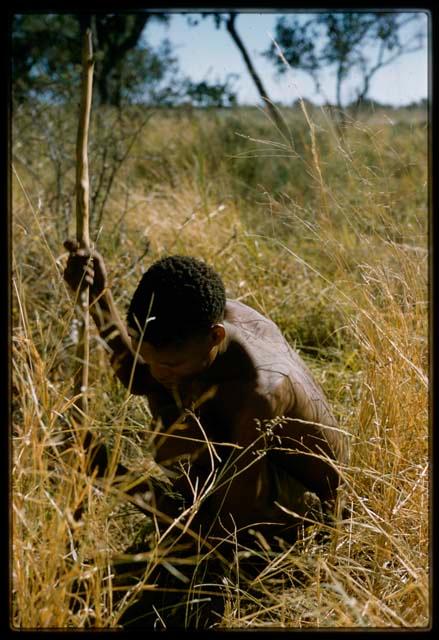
(82, 215)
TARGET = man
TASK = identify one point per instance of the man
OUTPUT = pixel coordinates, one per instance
(240, 415)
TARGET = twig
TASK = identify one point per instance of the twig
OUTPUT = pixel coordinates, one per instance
(82, 214)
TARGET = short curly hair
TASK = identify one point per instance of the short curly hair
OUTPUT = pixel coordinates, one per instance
(177, 298)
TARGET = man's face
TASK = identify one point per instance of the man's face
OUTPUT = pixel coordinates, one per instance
(171, 365)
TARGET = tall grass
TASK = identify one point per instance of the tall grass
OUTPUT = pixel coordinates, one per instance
(326, 236)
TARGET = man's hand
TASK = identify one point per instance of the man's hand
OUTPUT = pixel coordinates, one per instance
(85, 269)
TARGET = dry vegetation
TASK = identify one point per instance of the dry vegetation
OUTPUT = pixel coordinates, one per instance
(328, 237)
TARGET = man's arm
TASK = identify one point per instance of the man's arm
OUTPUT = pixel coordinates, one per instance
(128, 366)
(309, 443)
(274, 465)
(84, 270)
(243, 486)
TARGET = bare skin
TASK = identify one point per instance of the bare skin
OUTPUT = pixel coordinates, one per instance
(223, 387)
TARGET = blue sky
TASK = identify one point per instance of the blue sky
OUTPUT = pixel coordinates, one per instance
(204, 51)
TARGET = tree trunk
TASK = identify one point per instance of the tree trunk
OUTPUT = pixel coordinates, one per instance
(114, 41)
(230, 25)
(339, 116)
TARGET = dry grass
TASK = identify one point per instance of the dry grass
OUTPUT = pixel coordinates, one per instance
(329, 238)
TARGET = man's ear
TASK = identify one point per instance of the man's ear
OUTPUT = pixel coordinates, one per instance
(217, 334)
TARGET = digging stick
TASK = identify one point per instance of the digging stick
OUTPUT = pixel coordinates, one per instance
(82, 216)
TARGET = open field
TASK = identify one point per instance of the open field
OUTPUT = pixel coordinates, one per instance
(328, 236)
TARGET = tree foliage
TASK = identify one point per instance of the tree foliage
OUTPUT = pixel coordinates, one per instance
(46, 55)
(211, 94)
(349, 43)
(126, 65)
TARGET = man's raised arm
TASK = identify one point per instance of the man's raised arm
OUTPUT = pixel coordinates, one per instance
(88, 269)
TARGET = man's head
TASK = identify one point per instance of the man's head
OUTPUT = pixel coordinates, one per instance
(176, 315)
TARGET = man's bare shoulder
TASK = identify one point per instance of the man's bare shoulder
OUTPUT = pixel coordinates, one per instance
(263, 343)
(257, 355)
(279, 373)
(240, 314)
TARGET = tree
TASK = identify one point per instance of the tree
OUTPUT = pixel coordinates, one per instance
(46, 56)
(359, 43)
(122, 65)
(46, 53)
(216, 94)
(228, 20)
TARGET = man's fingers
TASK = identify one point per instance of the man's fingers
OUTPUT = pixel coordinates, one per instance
(75, 250)
(71, 245)
(84, 268)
